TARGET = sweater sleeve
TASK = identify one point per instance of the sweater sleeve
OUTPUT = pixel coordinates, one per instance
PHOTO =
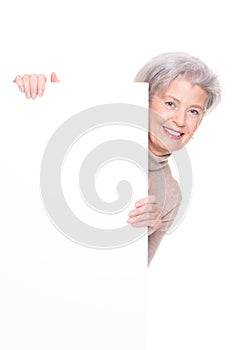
(156, 237)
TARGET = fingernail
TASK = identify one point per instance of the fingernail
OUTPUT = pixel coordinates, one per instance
(34, 95)
(28, 95)
(130, 221)
(132, 213)
(40, 92)
(137, 204)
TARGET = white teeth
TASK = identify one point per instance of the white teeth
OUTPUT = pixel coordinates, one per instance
(174, 133)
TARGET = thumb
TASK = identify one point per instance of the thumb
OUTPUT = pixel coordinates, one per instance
(54, 78)
(149, 184)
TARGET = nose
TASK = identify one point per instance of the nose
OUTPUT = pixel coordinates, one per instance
(179, 117)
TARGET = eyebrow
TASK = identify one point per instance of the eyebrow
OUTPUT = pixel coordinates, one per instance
(177, 100)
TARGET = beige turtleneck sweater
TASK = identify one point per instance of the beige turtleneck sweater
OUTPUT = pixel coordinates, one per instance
(168, 197)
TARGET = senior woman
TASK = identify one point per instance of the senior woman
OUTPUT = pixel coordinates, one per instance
(182, 89)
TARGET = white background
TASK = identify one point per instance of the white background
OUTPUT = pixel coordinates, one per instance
(99, 43)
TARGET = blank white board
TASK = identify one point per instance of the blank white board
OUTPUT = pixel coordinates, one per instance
(55, 292)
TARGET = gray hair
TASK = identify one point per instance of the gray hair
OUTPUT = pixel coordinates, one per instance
(162, 69)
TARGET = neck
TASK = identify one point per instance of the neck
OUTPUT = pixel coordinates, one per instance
(157, 152)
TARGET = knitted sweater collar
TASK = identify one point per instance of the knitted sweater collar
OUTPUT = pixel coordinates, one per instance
(155, 162)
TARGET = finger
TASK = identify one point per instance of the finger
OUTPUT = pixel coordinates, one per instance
(151, 208)
(148, 223)
(19, 81)
(149, 185)
(152, 227)
(146, 218)
(146, 200)
(41, 84)
(33, 86)
(54, 78)
(26, 82)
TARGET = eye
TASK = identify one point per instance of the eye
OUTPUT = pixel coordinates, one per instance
(194, 112)
(170, 104)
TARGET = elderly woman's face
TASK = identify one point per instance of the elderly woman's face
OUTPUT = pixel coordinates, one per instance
(175, 115)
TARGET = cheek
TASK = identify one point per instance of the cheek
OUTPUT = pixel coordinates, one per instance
(154, 126)
(152, 121)
(191, 128)
(155, 120)
(156, 108)
(193, 125)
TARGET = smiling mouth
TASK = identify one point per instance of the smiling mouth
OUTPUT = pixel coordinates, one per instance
(176, 135)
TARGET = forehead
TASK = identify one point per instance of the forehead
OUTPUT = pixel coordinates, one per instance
(184, 91)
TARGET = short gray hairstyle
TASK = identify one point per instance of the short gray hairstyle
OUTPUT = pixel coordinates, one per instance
(162, 69)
